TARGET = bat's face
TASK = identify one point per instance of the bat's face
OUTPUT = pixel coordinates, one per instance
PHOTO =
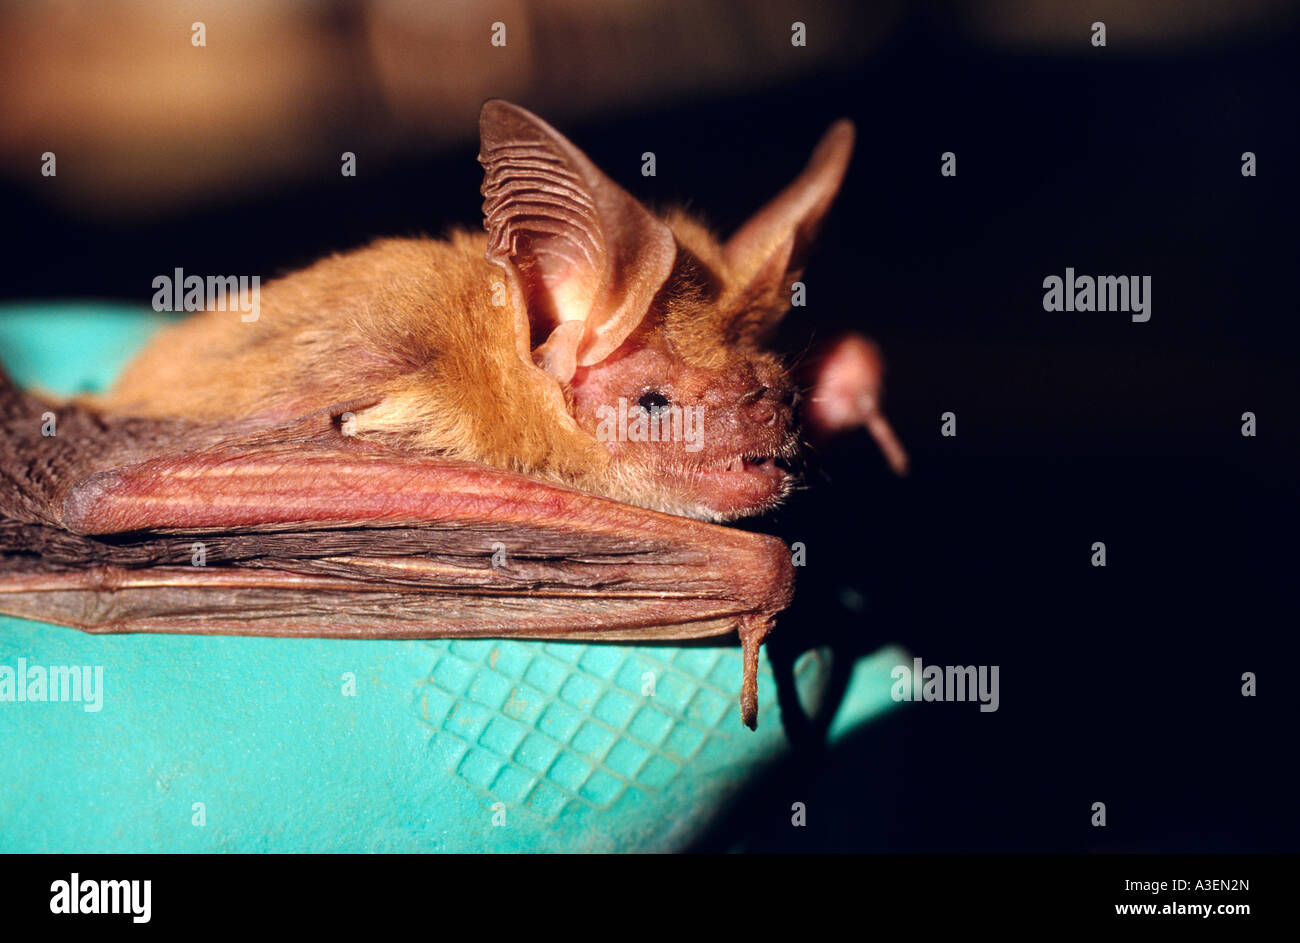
(710, 441)
(651, 325)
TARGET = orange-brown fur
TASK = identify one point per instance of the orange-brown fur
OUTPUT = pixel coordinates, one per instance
(409, 327)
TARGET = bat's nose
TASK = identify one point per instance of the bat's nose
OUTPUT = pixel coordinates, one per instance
(768, 406)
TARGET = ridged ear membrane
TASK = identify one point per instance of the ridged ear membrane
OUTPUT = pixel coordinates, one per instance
(575, 245)
(770, 250)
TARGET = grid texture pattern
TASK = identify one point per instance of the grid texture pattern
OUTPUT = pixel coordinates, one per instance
(539, 726)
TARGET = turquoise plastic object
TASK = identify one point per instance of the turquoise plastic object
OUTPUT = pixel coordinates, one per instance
(275, 745)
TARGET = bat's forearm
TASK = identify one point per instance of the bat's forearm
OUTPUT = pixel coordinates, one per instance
(301, 532)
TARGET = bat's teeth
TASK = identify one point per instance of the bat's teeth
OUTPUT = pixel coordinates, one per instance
(742, 462)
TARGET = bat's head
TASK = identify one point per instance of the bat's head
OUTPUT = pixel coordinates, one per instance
(653, 327)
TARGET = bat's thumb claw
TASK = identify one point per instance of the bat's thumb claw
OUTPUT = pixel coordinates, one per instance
(846, 387)
(752, 632)
(749, 709)
(883, 433)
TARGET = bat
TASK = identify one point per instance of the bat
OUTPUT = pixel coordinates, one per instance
(530, 432)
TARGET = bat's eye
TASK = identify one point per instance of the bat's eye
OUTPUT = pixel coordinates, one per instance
(653, 402)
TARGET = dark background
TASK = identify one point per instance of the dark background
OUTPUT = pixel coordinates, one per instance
(1119, 685)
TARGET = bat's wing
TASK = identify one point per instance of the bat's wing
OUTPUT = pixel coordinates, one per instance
(133, 526)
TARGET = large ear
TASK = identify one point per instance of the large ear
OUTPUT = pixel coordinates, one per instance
(583, 257)
(772, 246)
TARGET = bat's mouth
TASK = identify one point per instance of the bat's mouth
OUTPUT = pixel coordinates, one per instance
(768, 465)
(719, 487)
(744, 484)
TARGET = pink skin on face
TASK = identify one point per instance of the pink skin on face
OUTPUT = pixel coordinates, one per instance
(744, 430)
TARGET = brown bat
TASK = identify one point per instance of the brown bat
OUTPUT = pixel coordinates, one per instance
(520, 433)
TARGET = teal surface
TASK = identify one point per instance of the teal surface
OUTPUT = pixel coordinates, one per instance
(240, 744)
(70, 349)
